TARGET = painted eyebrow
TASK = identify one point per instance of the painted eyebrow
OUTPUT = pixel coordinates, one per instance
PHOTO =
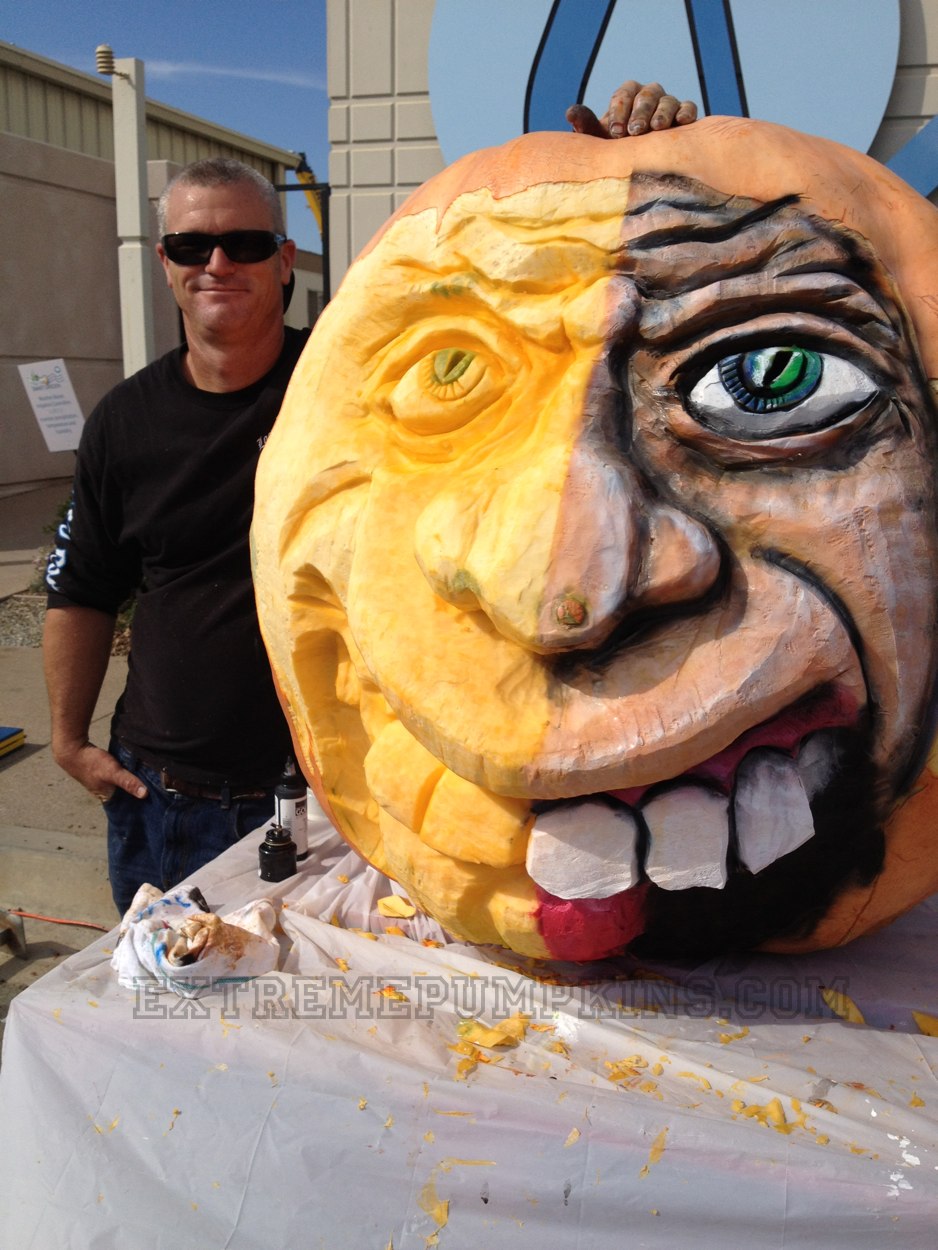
(734, 301)
(713, 222)
(698, 237)
(711, 262)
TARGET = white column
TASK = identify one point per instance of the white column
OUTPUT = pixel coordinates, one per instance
(130, 175)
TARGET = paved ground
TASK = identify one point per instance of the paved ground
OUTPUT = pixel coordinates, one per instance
(52, 851)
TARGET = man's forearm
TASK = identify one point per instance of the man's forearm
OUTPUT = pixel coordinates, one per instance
(76, 649)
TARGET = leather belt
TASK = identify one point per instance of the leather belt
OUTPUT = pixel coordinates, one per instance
(229, 792)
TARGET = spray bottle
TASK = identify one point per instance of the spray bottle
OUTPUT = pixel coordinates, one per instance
(290, 810)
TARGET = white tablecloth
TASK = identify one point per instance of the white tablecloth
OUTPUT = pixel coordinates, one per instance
(335, 1104)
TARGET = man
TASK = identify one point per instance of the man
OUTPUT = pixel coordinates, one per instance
(163, 497)
(162, 508)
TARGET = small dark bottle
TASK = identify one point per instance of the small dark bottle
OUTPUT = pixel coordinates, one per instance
(276, 855)
(290, 813)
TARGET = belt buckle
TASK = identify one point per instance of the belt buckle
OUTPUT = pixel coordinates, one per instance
(166, 781)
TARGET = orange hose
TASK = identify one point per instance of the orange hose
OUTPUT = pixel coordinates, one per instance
(83, 924)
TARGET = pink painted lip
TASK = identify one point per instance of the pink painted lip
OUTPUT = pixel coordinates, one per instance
(833, 709)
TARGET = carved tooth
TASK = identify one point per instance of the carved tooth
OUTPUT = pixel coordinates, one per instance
(817, 761)
(688, 838)
(584, 850)
(773, 817)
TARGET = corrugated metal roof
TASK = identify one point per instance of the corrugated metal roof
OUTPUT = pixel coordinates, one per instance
(53, 103)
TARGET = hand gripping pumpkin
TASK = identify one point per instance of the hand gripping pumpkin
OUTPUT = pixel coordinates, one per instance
(596, 546)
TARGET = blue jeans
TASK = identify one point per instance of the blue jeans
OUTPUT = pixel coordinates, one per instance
(163, 838)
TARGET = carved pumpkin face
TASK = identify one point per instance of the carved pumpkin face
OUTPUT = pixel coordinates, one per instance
(596, 547)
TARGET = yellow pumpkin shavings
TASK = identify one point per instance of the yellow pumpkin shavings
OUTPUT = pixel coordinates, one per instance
(842, 1005)
(388, 991)
(915, 1101)
(372, 937)
(926, 1024)
(772, 1114)
(695, 1076)
(431, 942)
(823, 1105)
(470, 1061)
(506, 1033)
(572, 1137)
(395, 930)
(467, 1066)
(437, 1208)
(393, 907)
(624, 1069)
(341, 964)
(726, 1038)
(863, 1087)
(343, 877)
(654, 1155)
(558, 1047)
(362, 1104)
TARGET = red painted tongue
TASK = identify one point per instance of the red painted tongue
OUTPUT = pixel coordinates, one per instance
(828, 711)
(583, 929)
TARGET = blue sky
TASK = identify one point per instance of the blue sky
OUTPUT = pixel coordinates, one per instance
(257, 66)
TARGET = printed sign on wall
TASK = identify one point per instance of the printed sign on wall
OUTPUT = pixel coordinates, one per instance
(54, 403)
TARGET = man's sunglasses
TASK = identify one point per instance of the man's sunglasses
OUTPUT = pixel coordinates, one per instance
(243, 247)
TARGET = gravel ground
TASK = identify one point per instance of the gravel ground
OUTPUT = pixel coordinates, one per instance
(21, 618)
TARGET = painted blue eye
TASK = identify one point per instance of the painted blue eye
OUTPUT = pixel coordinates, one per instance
(778, 390)
(772, 377)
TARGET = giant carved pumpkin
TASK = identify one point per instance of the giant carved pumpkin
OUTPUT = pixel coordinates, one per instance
(596, 547)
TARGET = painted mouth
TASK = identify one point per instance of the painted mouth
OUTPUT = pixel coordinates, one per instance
(743, 809)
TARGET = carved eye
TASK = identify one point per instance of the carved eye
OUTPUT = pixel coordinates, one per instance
(445, 389)
(778, 390)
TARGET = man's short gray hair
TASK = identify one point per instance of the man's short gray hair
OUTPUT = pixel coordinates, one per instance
(222, 171)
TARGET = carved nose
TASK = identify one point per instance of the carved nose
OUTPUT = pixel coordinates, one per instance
(558, 553)
(617, 550)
